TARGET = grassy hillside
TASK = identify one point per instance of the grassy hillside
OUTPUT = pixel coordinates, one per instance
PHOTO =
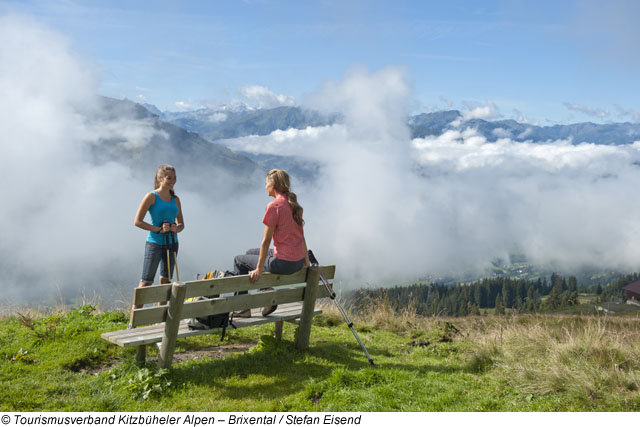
(59, 362)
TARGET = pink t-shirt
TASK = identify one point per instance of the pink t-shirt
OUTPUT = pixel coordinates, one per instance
(288, 236)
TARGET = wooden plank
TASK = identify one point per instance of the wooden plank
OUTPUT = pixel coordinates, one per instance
(286, 310)
(223, 305)
(154, 333)
(283, 309)
(171, 325)
(151, 294)
(308, 305)
(146, 316)
(195, 288)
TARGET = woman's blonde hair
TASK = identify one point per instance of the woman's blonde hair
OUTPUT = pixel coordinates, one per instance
(282, 184)
(161, 172)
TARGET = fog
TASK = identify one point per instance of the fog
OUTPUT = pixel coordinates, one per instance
(384, 208)
(387, 208)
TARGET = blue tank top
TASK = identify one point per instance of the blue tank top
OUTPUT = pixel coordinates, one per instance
(160, 212)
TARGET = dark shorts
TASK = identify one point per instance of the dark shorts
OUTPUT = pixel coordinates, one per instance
(154, 255)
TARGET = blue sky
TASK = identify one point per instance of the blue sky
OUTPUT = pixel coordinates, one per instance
(542, 61)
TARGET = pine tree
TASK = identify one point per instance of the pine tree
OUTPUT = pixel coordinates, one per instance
(508, 295)
(499, 306)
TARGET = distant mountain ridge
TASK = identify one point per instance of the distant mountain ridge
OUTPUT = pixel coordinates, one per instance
(226, 122)
(234, 122)
(168, 144)
(430, 124)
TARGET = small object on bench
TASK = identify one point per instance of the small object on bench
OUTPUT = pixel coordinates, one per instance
(169, 322)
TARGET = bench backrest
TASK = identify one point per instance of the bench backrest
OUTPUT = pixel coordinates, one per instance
(196, 288)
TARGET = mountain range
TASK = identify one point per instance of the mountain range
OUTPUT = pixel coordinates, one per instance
(167, 143)
(194, 140)
(221, 123)
(436, 123)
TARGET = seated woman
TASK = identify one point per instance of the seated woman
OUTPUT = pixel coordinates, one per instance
(284, 224)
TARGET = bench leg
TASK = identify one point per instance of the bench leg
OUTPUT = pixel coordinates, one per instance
(141, 354)
(278, 330)
(171, 325)
(308, 307)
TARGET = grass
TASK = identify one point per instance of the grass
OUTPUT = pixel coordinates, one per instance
(58, 362)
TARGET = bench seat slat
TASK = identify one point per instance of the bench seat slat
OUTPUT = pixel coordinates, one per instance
(153, 334)
(284, 309)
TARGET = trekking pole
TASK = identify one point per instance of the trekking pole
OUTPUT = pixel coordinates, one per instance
(166, 242)
(175, 254)
(332, 295)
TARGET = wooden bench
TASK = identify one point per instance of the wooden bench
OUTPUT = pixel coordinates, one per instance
(295, 295)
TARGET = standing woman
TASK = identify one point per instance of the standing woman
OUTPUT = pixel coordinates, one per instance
(166, 217)
(284, 224)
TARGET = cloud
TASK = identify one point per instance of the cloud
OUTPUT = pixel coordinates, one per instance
(264, 98)
(487, 112)
(600, 113)
(474, 110)
(399, 208)
(183, 106)
(294, 142)
(217, 117)
(501, 133)
(624, 114)
(558, 203)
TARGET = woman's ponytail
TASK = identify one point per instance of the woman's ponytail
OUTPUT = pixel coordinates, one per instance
(295, 207)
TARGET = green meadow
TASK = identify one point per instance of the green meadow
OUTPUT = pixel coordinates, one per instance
(55, 360)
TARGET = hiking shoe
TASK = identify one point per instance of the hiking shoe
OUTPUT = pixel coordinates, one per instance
(268, 310)
(244, 314)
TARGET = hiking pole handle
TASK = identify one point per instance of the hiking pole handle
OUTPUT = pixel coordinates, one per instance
(312, 257)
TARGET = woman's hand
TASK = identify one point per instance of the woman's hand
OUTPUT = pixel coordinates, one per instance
(173, 228)
(166, 227)
(254, 275)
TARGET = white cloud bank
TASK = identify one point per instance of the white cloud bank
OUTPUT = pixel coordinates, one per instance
(265, 98)
(557, 203)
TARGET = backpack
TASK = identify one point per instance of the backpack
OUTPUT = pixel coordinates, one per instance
(212, 321)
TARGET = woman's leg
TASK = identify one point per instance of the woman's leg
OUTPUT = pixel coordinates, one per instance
(149, 266)
(243, 264)
(166, 275)
(280, 266)
(141, 285)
